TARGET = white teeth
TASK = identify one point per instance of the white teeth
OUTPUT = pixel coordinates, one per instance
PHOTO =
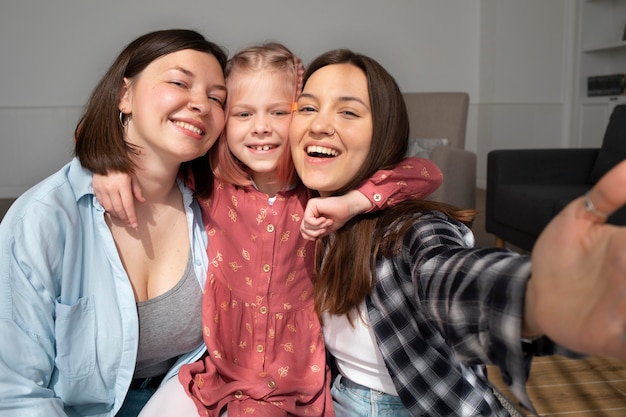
(262, 147)
(188, 127)
(319, 149)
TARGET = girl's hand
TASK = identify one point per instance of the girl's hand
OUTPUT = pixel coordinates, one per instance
(577, 291)
(117, 192)
(324, 215)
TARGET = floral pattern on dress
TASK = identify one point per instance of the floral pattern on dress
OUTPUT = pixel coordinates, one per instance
(266, 349)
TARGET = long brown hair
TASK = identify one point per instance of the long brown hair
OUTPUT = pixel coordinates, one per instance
(345, 262)
(100, 143)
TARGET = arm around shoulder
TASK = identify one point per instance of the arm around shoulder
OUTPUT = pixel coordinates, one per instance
(413, 177)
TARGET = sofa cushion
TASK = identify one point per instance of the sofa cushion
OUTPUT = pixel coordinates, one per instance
(422, 147)
(530, 207)
(613, 148)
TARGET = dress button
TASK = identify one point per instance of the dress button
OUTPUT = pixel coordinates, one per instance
(270, 228)
(238, 394)
(259, 348)
(266, 268)
(271, 384)
(377, 197)
(263, 310)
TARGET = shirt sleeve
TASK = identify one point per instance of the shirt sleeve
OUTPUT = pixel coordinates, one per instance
(413, 177)
(475, 296)
(27, 311)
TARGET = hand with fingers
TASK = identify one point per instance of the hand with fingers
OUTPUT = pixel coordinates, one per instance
(577, 291)
(117, 192)
(324, 215)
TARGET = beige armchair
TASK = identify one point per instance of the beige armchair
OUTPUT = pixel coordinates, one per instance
(436, 115)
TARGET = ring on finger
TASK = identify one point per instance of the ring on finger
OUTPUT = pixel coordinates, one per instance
(591, 208)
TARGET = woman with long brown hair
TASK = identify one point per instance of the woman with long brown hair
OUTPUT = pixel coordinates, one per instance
(411, 311)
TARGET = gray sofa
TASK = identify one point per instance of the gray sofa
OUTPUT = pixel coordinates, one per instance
(437, 116)
(5, 203)
(526, 188)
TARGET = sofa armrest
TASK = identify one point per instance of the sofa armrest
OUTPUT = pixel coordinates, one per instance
(560, 167)
(459, 176)
(540, 166)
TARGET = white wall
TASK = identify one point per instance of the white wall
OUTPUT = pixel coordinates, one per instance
(505, 53)
(525, 76)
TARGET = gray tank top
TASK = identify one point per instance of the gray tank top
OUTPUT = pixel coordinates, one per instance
(169, 326)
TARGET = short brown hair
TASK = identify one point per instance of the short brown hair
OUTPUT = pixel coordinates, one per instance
(100, 144)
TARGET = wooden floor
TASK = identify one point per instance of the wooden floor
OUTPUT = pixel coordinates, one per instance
(559, 386)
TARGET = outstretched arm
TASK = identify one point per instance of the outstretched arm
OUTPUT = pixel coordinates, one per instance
(577, 291)
(412, 178)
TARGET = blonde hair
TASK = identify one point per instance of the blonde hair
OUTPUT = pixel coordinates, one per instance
(271, 56)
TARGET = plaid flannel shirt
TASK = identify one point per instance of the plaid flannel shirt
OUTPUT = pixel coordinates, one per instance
(441, 310)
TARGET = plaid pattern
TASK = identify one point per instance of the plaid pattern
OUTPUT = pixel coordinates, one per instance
(441, 310)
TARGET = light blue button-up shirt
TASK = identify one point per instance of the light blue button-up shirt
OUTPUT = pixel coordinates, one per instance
(68, 317)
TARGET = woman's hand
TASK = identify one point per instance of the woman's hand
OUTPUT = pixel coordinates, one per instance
(577, 291)
(117, 192)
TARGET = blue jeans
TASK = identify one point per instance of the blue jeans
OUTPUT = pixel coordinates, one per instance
(136, 399)
(354, 400)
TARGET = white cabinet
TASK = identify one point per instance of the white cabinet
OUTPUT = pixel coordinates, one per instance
(601, 50)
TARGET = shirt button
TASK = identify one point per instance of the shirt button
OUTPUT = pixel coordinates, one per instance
(377, 197)
(263, 310)
(266, 268)
(238, 394)
(259, 348)
(271, 384)
(270, 228)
